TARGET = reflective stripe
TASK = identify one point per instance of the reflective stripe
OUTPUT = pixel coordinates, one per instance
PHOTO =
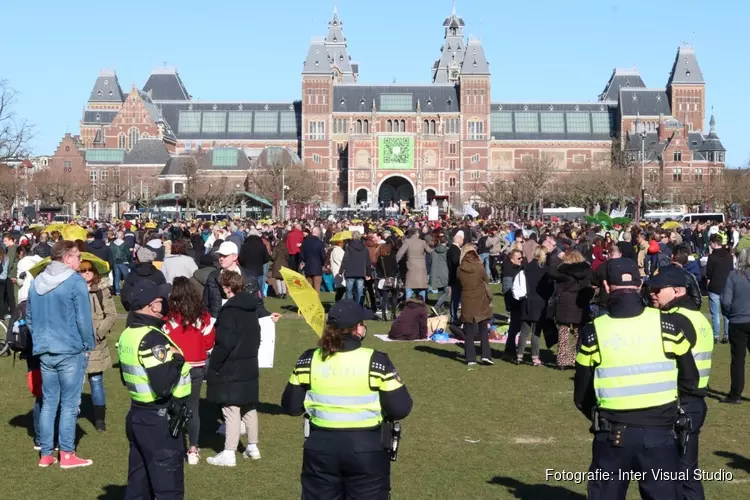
(636, 390)
(137, 371)
(343, 417)
(702, 356)
(640, 369)
(706, 372)
(139, 388)
(342, 400)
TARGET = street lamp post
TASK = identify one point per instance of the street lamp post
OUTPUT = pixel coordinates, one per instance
(641, 197)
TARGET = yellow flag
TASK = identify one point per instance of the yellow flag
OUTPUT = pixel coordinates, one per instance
(306, 298)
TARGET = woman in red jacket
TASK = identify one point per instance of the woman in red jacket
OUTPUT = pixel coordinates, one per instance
(191, 327)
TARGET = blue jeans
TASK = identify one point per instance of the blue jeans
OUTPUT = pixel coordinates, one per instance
(36, 412)
(120, 272)
(486, 262)
(62, 382)
(455, 301)
(261, 280)
(96, 382)
(714, 305)
(420, 291)
(358, 293)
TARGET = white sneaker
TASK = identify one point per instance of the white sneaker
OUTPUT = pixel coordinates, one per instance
(193, 458)
(252, 451)
(487, 361)
(226, 458)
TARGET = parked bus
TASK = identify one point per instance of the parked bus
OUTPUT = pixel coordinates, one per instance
(570, 213)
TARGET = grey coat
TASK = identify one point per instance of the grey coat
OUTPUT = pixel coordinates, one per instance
(415, 250)
(735, 299)
(439, 267)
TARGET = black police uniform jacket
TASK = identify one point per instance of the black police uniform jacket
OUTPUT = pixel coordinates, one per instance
(233, 367)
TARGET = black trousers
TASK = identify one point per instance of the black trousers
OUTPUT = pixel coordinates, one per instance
(471, 331)
(370, 292)
(696, 409)
(388, 300)
(635, 449)
(513, 307)
(156, 461)
(739, 344)
(7, 298)
(345, 465)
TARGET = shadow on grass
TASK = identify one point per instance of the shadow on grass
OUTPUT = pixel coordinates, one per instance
(211, 419)
(718, 395)
(26, 421)
(113, 492)
(736, 461)
(441, 353)
(535, 491)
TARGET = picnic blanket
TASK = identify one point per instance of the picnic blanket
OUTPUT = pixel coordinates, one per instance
(384, 338)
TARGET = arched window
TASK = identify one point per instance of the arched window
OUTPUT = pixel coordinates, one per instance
(366, 127)
(133, 133)
(389, 126)
(121, 140)
(403, 126)
(432, 127)
(426, 127)
(359, 126)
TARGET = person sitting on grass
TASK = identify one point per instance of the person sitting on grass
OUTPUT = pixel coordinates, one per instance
(411, 324)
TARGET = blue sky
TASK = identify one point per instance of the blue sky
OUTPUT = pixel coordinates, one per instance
(541, 50)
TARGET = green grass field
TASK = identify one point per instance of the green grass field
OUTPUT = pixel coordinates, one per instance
(481, 432)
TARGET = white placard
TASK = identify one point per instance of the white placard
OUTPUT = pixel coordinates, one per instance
(360, 229)
(267, 342)
(432, 213)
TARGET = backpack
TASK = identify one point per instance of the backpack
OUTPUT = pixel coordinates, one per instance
(662, 260)
(19, 335)
(519, 286)
(482, 245)
(119, 253)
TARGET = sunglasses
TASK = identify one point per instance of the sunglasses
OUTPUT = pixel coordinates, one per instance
(86, 270)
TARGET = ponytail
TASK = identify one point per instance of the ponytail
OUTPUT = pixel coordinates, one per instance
(331, 342)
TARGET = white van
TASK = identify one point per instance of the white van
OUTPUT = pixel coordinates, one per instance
(131, 216)
(704, 217)
(662, 215)
(208, 217)
(571, 213)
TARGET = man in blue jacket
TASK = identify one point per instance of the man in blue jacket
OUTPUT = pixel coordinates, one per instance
(313, 255)
(62, 331)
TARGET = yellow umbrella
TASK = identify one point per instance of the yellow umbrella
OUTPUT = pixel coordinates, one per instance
(342, 236)
(101, 266)
(150, 225)
(306, 298)
(56, 226)
(73, 232)
(36, 226)
(397, 231)
(356, 221)
(670, 225)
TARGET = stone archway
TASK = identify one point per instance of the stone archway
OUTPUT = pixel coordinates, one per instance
(395, 188)
(362, 196)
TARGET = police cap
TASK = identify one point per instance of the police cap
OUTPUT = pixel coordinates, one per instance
(668, 276)
(623, 272)
(348, 314)
(143, 292)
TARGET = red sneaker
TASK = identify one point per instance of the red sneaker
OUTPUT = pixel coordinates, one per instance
(47, 460)
(69, 460)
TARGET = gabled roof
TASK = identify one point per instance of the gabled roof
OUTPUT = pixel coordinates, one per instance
(98, 116)
(621, 78)
(653, 148)
(147, 152)
(106, 88)
(217, 159)
(646, 102)
(99, 136)
(685, 69)
(431, 98)
(164, 84)
(317, 62)
(475, 63)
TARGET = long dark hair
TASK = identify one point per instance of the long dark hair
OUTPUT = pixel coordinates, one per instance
(185, 301)
(331, 342)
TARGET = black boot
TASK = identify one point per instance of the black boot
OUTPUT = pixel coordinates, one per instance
(100, 413)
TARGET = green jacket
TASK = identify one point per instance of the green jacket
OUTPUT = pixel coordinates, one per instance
(744, 243)
(12, 261)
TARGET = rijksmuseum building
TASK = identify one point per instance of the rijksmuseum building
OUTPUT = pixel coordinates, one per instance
(371, 144)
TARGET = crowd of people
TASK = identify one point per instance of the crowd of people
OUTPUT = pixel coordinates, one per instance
(552, 276)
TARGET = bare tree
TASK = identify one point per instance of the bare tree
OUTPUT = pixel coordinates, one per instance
(15, 133)
(277, 169)
(10, 188)
(534, 180)
(52, 187)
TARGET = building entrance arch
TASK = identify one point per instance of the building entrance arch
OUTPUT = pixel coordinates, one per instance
(395, 189)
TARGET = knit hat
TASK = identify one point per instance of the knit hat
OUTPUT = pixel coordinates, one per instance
(145, 254)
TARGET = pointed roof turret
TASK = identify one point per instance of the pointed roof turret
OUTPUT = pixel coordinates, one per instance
(712, 141)
(685, 70)
(164, 84)
(317, 62)
(107, 88)
(621, 78)
(329, 55)
(448, 68)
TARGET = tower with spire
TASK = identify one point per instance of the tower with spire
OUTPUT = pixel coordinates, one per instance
(687, 89)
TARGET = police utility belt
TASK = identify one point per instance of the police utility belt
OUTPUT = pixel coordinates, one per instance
(390, 434)
(178, 415)
(682, 427)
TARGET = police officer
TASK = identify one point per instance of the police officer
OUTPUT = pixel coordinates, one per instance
(347, 391)
(668, 291)
(154, 371)
(626, 383)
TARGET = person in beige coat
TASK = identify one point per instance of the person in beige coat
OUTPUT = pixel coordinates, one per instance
(104, 314)
(415, 249)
